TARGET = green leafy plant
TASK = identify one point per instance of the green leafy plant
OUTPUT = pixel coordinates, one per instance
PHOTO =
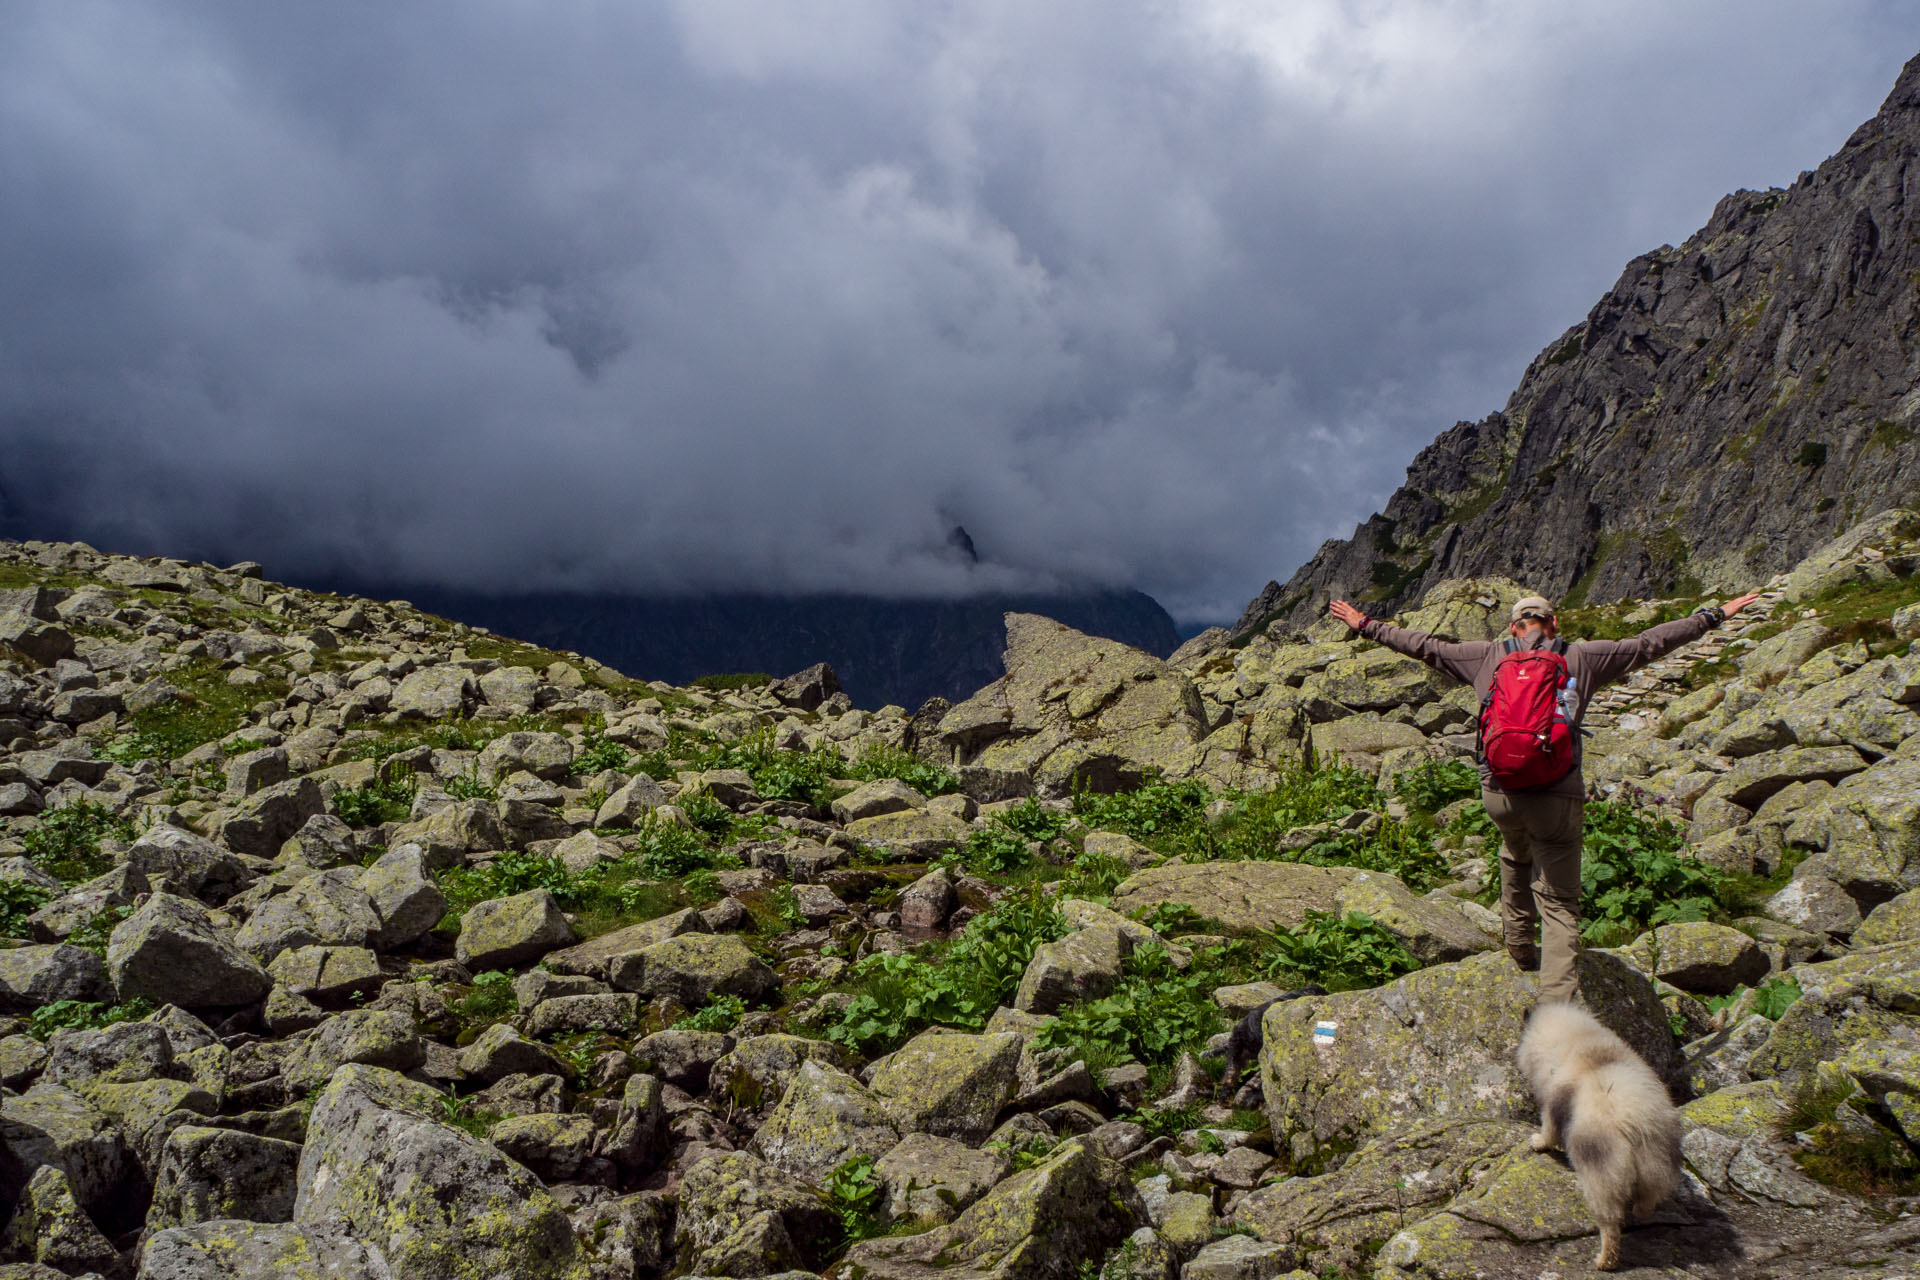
(84, 1014)
(958, 985)
(462, 1114)
(488, 1000)
(722, 1013)
(18, 900)
(470, 786)
(388, 797)
(996, 850)
(1775, 996)
(878, 760)
(598, 753)
(668, 849)
(1435, 784)
(1156, 1012)
(98, 929)
(853, 1190)
(704, 812)
(1155, 808)
(786, 904)
(1339, 952)
(66, 844)
(1632, 877)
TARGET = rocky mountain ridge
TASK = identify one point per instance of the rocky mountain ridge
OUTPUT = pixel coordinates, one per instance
(1651, 448)
(903, 651)
(337, 939)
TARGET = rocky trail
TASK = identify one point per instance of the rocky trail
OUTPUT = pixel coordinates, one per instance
(340, 940)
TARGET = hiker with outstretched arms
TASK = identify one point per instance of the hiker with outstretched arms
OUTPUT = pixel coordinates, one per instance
(1534, 688)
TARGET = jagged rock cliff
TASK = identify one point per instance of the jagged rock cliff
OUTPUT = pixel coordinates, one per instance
(1727, 406)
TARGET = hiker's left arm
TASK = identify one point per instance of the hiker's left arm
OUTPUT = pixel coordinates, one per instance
(1610, 659)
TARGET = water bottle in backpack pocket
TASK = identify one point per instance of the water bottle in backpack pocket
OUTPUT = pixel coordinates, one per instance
(1526, 719)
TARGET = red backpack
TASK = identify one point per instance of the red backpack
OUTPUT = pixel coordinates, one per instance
(1526, 719)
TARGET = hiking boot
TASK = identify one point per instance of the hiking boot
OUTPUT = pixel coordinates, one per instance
(1527, 956)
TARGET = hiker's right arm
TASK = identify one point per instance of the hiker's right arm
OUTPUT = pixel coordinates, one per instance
(1461, 661)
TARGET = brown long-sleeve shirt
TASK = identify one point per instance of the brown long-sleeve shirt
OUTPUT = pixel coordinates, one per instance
(1591, 664)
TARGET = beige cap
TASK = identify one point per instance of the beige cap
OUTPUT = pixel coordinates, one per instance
(1532, 607)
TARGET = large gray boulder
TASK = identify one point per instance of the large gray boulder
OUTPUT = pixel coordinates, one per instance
(826, 1119)
(51, 1125)
(326, 909)
(512, 930)
(1036, 1225)
(1437, 1044)
(225, 1249)
(433, 693)
(948, 1084)
(693, 968)
(404, 897)
(170, 952)
(439, 1203)
(1074, 708)
(33, 976)
(180, 862)
(207, 1174)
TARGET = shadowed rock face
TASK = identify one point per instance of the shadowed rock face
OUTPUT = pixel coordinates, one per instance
(1726, 407)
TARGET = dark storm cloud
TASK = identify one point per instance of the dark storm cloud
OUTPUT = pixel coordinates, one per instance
(719, 295)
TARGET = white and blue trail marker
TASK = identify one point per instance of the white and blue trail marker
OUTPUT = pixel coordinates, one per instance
(1323, 1033)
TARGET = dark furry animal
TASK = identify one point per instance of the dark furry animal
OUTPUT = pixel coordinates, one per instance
(1244, 1041)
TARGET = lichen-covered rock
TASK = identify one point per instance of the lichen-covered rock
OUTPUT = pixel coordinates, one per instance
(825, 1119)
(1036, 1225)
(1240, 1258)
(180, 862)
(871, 799)
(51, 1125)
(1752, 780)
(638, 1139)
(1084, 965)
(627, 1235)
(725, 1204)
(924, 1178)
(326, 909)
(511, 931)
(1254, 897)
(327, 973)
(78, 1057)
(501, 1051)
(630, 805)
(49, 1227)
(616, 1013)
(33, 976)
(757, 1071)
(560, 1148)
(1869, 997)
(693, 968)
(683, 1058)
(1073, 707)
(948, 1084)
(433, 693)
(910, 835)
(544, 755)
(372, 1037)
(1813, 902)
(1358, 740)
(270, 817)
(1702, 957)
(594, 957)
(169, 951)
(439, 1203)
(404, 898)
(1436, 1044)
(206, 1174)
(1369, 1196)
(1896, 920)
(238, 1250)
(451, 831)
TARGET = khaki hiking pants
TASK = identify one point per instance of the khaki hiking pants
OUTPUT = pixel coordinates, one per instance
(1540, 880)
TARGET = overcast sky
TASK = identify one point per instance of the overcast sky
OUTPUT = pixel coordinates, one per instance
(725, 295)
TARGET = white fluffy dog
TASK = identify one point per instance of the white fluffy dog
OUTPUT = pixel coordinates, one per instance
(1603, 1104)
